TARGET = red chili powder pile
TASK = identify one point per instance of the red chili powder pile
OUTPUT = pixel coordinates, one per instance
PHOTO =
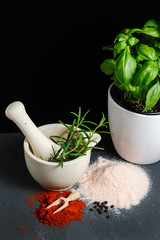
(72, 212)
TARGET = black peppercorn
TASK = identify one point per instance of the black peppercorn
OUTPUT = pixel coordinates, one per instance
(101, 207)
(99, 211)
(103, 204)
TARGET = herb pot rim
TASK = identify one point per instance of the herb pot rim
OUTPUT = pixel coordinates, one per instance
(144, 114)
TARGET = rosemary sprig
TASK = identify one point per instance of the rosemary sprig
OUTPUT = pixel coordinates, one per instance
(79, 136)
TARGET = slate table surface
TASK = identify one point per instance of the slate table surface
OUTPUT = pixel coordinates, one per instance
(17, 222)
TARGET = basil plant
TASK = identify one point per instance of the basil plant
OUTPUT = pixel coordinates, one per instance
(135, 67)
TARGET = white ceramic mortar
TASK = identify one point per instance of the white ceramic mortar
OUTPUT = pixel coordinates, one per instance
(50, 174)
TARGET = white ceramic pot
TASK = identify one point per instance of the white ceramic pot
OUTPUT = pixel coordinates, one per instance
(50, 174)
(136, 137)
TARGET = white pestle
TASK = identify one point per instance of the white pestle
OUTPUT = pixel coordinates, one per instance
(41, 145)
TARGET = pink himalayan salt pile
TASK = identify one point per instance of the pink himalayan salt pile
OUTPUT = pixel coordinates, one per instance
(119, 183)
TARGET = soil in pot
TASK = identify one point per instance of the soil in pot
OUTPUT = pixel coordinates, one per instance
(134, 105)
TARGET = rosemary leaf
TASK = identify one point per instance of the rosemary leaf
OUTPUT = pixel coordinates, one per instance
(79, 137)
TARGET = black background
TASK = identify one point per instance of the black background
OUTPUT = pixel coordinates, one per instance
(50, 55)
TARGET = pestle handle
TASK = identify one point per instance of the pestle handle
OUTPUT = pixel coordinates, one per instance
(41, 145)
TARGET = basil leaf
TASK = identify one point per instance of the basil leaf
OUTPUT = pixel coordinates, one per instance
(151, 31)
(145, 52)
(133, 41)
(158, 62)
(152, 23)
(125, 31)
(153, 96)
(146, 74)
(108, 66)
(120, 37)
(145, 89)
(133, 30)
(120, 46)
(117, 83)
(125, 67)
